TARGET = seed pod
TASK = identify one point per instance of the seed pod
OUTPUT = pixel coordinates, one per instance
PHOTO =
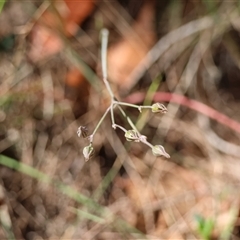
(158, 108)
(88, 152)
(132, 135)
(82, 131)
(158, 150)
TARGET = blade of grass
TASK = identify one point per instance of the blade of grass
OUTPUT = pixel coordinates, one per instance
(87, 215)
(147, 101)
(2, 3)
(107, 180)
(7, 230)
(118, 223)
(34, 173)
(87, 72)
(227, 231)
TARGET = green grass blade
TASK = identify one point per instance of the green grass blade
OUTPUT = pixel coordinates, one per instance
(2, 3)
(104, 213)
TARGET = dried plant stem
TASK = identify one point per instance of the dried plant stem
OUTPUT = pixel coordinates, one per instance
(132, 134)
(105, 34)
(98, 125)
(126, 104)
(128, 119)
(120, 127)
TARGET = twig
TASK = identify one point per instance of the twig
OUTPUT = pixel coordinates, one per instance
(98, 125)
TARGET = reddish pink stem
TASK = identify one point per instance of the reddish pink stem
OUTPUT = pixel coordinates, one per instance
(136, 98)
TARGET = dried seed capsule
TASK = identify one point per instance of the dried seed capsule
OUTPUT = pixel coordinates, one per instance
(132, 135)
(82, 131)
(159, 150)
(158, 108)
(88, 152)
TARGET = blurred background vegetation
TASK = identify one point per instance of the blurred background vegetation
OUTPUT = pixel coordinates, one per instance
(183, 53)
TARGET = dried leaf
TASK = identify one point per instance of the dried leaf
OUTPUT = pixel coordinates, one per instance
(127, 54)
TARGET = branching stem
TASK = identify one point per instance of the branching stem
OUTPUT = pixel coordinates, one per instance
(120, 127)
(99, 123)
(131, 135)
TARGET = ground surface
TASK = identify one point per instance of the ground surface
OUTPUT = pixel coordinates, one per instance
(50, 76)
